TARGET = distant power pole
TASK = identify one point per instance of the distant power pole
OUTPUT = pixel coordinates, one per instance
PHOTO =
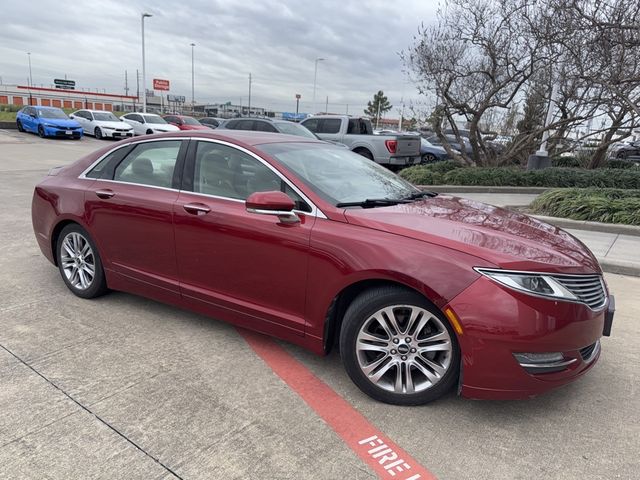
(126, 84)
(249, 94)
(138, 84)
(326, 105)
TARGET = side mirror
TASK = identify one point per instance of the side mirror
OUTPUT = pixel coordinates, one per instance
(273, 203)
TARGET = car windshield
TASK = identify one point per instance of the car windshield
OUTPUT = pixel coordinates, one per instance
(338, 175)
(295, 129)
(105, 117)
(51, 113)
(153, 119)
(190, 121)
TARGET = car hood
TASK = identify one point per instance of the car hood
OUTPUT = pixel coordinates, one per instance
(60, 122)
(110, 124)
(498, 236)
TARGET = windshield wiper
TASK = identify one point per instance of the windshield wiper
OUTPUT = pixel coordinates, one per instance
(421, 194)
(374, 202)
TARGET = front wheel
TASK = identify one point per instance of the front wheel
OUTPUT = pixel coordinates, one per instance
(398, 348)
(41, 132)
(79, 263)
(98, 133)
(19, 125)
(149, 132)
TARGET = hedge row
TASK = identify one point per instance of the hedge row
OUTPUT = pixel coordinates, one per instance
(609, 205)
(515, 177)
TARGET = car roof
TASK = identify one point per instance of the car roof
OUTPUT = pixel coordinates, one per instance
(246, 137)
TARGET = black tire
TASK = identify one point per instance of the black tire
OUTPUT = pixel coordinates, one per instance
(364, 152)
(361, 310)
(429, 158)
(19, 125)
(98, 285)
(98, 133)
(149, 132)
(621, 155)
(41, 132)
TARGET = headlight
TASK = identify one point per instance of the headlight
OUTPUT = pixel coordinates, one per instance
(532, 283)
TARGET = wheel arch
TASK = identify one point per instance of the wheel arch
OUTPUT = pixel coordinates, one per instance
(342, 300)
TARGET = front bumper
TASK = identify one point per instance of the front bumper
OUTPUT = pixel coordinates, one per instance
(63, 132)
(498, 322)
(116, 134)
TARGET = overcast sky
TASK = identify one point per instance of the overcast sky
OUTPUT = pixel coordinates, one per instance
(277, 41)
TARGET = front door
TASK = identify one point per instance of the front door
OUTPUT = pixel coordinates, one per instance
(130, 210)
(242, 267)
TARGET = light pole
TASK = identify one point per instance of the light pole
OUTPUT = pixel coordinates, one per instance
(315, 81)
(144, 72)
(193, 88)
(30, 77)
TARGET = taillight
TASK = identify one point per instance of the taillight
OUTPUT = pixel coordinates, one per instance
(391, 145)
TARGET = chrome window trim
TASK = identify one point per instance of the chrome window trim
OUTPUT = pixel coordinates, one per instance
(315, 211)
(83, 175)
(481, 271)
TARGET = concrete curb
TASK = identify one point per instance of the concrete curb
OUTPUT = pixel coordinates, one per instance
(453, 189)
(610, 266)
(591, 226)
(8, 126)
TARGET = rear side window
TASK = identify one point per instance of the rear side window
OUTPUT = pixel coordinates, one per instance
(150, 164)
(329, 125)
(265, 127)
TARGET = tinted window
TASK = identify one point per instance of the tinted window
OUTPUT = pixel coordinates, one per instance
(311, 124)
(231, 124)
(244, 125)
(150, 163)
(134, 117)
(223, 171)
(329, 125)
(264, 127)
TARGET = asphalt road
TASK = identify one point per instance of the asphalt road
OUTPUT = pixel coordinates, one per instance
(124, 387)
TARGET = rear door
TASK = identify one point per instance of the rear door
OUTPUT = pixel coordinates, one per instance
(130, 209)
(242, 267)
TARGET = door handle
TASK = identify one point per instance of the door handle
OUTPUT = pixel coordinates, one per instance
(196, 208)
(106, 193)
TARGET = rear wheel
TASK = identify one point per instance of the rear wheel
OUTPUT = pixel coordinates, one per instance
(79, 263)
(98, 133)
(19, 125)
(621, 155)
(428, 158)
(41, 132)
(398, 348)
(364, 152)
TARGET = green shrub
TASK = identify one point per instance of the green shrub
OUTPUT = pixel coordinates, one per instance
(614, 163)
(593, 204)
(443, 167)
(568, 162)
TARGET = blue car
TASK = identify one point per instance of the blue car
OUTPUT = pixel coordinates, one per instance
(47, 122)
(432, 153)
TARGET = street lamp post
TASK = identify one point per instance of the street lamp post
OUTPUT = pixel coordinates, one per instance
(144, 72)
(30, 77)
(298, 96)
(193, 88)
(315, 81)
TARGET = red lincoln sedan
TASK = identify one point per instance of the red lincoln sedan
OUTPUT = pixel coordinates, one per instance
(184, 122)
(319, 246)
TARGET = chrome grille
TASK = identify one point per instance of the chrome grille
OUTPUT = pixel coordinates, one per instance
(588, 288)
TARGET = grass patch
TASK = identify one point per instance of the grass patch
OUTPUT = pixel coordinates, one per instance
(608, 205)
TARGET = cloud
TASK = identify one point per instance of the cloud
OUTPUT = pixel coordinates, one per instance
(277, 41)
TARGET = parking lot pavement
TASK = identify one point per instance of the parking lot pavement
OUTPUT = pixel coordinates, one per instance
(124, 387)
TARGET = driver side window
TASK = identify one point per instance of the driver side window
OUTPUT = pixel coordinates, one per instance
(224, 171)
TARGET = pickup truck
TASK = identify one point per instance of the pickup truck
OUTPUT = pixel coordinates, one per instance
(392, 151)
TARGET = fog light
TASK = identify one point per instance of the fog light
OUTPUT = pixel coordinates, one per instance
(548, 362)
(539, 358)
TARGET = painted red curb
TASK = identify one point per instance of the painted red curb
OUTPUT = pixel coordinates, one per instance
(384, 457)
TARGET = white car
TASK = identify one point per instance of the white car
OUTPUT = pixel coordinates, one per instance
(102, 124)
(148, 123)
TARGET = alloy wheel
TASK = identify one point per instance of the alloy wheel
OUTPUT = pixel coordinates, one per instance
(78, 261)
(404, 349)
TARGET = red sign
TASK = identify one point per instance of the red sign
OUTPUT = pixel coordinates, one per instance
(159, 84)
